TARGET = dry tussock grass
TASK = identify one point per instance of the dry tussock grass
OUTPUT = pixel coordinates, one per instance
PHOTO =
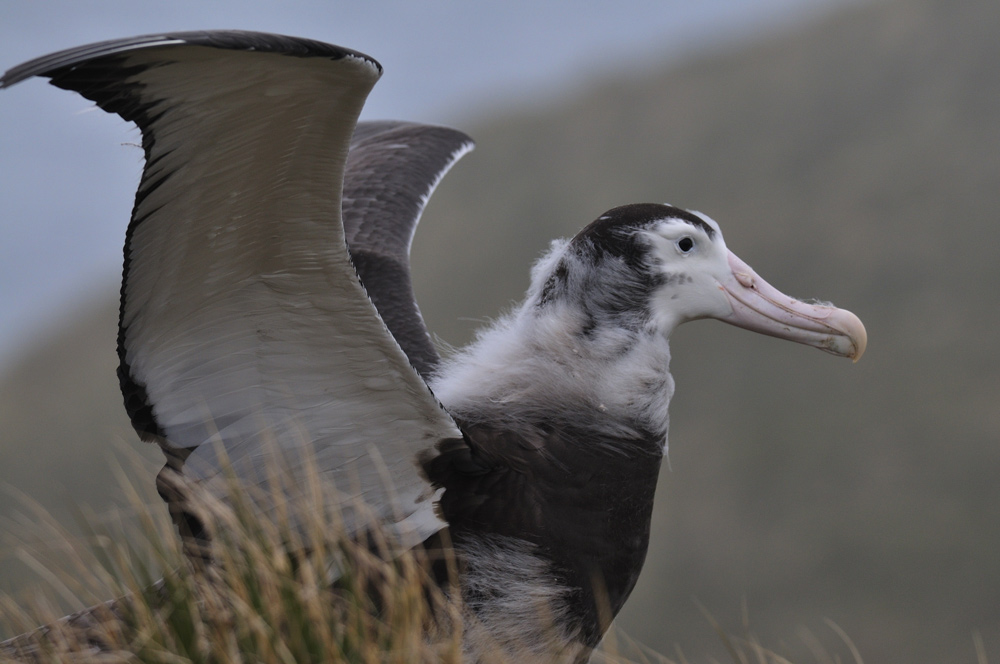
(285, 589)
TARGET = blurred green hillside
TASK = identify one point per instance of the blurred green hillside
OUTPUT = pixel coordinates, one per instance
(855, 160)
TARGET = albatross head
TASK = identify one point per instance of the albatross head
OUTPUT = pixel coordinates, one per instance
(657, 266)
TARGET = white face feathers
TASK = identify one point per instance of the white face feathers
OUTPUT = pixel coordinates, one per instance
(691, 264)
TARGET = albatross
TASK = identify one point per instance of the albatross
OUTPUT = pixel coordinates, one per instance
(266, 308)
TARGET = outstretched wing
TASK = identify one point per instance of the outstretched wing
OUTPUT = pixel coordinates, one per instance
(392, 170)
(243, 322)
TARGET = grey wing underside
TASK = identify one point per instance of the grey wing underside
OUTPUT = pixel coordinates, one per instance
(244, 330)
(392, 170)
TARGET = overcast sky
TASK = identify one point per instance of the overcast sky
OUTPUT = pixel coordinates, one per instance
(68, 172)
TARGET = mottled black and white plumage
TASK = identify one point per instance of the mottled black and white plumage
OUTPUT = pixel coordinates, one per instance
(244, 324)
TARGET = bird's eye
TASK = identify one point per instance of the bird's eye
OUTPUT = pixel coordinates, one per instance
(685, 244)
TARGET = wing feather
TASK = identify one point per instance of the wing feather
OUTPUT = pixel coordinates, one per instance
(392, 170)
(243, 322)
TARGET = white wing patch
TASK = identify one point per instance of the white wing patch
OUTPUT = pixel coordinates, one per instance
(249, 324)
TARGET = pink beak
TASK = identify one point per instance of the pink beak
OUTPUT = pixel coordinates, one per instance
(760, 307)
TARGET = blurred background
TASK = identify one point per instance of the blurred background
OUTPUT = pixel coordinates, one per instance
(849, 151)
